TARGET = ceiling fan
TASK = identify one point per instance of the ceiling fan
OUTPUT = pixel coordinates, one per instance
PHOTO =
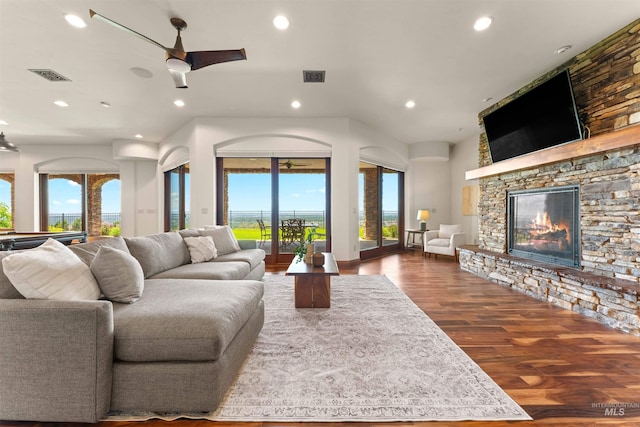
(180, 62)
(289, 164)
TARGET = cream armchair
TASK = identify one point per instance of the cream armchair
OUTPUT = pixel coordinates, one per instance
(444, 241)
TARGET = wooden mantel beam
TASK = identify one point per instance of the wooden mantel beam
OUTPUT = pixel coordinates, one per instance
(615, 140)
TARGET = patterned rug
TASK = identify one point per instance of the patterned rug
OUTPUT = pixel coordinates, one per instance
(373, 356)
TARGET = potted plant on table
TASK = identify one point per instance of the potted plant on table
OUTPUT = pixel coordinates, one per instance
(306, 248)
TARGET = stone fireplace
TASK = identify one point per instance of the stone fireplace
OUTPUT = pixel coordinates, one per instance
(602, 281)
(544, 225)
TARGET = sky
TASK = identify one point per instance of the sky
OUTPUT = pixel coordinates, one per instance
(247, 192)
(65, 196)
(252, 192)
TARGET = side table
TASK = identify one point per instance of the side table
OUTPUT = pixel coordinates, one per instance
(412, 244)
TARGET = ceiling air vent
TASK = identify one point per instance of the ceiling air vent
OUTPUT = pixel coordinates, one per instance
(50, 75)
(310, 76)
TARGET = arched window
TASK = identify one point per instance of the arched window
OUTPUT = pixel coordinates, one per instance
(7, 200)
(80, 202)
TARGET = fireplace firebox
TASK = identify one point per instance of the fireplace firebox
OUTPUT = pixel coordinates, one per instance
(544, 224)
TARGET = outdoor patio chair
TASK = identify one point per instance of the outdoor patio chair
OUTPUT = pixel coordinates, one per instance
(292, 231)
(265, 232)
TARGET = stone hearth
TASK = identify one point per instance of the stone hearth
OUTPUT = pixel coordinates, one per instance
(613, 302)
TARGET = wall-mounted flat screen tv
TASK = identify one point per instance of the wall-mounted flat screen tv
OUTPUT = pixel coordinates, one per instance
(541, 118)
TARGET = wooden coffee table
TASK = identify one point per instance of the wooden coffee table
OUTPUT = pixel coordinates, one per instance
(313, 284)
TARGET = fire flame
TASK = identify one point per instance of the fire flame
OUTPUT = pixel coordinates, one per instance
(542, 225)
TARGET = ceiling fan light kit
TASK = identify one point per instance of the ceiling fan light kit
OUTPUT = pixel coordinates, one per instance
(179, 62)
(6, 145)
(178, 65)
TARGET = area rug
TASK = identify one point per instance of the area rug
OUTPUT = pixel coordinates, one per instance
(373, 356)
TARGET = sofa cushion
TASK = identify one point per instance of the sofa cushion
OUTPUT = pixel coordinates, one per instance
(183, 320)
(252, 256)
(7, 290)
(87, 251)
(158, 252)
(439, 242)
(119, 275)
(223, 238)
(208, 271)
(201, 248)
(51, 271)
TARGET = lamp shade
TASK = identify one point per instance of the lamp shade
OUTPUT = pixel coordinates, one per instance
(423, 215)
(6, 145)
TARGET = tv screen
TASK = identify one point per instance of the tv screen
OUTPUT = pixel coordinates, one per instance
(541, 118)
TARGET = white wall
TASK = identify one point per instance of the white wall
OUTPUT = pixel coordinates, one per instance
(431, 184)
(342, 139)
(428, 187)
(139, 201)
(464, 157)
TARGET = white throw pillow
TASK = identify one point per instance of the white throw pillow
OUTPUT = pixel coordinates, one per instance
(51, 271)
(223, 238)
(201, 248)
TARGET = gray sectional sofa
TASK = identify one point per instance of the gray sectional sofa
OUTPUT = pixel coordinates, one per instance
(175, 346)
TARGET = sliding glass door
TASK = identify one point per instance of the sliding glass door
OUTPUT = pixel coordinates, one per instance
(246, 199)
(177, 210)
(381, 210)
(275, 201)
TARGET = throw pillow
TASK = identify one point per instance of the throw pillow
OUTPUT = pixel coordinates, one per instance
(51, 271)
(201, 248)
(119, 275)
(223, 238)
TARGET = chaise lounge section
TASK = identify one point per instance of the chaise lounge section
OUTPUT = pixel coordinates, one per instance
(174, 348)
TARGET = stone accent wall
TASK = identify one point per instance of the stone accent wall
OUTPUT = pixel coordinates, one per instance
(609, 208)
(606, 81)
(611, 301)
(606, 85)
(371, 195)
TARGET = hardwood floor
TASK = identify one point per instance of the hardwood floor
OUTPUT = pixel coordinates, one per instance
(561, 367)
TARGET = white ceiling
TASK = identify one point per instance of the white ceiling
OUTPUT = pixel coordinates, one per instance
(377, 55)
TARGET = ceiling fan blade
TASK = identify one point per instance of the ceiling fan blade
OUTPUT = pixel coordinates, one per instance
(204, 58)
(106, 20)
(179, 78)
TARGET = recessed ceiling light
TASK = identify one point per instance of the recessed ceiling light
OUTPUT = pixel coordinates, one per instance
(3, 123)
(141, 72)
(138, 136)
(178, 103)
(281, 22)
(482, 23)
(105, 104)
(296, 104)
(563, 49)
(75, 20)
(61, 103)
(487, 99)
(410, 104)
